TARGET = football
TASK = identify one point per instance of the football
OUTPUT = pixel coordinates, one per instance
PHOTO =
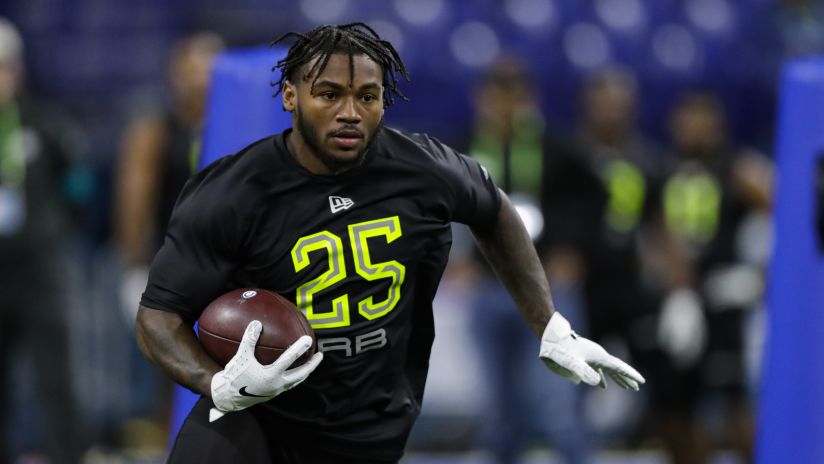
(223, 322)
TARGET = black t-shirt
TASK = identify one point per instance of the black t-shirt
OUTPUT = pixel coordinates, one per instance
(583, 188)
(361, 253)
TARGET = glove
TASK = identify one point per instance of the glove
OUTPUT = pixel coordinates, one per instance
(245, 382)
(577, 358)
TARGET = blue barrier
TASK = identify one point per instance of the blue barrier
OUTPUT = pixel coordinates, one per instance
(791, 404)
(240, 110)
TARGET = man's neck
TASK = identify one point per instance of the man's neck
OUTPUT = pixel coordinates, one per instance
(303, 153)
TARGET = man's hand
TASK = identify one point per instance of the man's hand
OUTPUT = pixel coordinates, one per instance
(245, 382)
(577, 358)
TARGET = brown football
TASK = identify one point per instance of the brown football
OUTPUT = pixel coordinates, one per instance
(223, 322)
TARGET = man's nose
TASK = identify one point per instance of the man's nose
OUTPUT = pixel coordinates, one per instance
(348, 111)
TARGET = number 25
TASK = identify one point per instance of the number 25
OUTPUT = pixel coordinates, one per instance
(358, 236)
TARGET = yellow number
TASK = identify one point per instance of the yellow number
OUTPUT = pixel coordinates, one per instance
(358, 235)
(339, 316)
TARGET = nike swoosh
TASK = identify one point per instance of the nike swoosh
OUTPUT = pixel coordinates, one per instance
(243, 392)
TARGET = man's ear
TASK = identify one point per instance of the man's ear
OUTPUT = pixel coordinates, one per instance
(290, 95)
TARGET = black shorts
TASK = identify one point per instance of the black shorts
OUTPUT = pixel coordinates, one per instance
(244, 437)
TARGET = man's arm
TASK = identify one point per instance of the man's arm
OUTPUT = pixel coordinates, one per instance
(171, 344)
(509, 250)
(138, 183)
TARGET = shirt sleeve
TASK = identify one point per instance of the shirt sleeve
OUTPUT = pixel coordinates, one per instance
(201, 249)
(475, 199)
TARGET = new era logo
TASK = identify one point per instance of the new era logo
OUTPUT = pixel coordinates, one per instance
(337, 204)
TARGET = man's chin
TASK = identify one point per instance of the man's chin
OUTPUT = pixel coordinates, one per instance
(347, 156)
(341, 160)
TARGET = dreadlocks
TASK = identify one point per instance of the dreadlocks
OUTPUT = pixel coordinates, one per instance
(350, 39)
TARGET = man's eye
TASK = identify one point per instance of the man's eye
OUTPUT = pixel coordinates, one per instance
(328, 95)
(369, 98)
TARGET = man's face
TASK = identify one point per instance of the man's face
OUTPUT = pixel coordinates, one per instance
(698, 128)
(501, 97)
(190, 68)
(338, 119)
(610, 104)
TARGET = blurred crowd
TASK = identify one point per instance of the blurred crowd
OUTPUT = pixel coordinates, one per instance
(655, 238)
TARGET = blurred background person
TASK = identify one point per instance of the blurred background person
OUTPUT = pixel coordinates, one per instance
(159, 151)
(40, 152)
(598, 197)
(508, 138)
(713, 204)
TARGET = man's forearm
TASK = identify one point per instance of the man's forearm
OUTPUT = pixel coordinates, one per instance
(509, 250)
(172, 345)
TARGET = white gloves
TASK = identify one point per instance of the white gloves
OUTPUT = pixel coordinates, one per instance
(577, 358)
(245, 382)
